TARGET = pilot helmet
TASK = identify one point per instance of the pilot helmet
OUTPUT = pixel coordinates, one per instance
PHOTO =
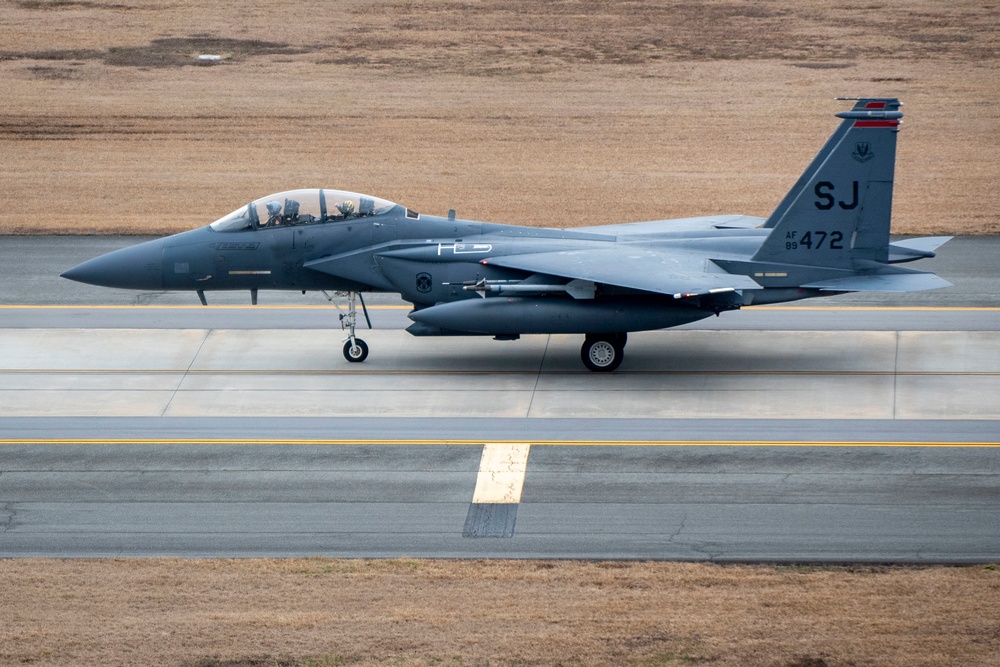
(273, 208)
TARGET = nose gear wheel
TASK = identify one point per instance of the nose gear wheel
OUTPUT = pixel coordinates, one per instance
(355, 350)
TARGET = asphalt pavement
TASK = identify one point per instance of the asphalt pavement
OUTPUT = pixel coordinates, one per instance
(711, 502)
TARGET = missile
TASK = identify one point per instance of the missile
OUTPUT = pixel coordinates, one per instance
(578, 289)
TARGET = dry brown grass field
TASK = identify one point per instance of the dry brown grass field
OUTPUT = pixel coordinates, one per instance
(320, 613)
(556, 112)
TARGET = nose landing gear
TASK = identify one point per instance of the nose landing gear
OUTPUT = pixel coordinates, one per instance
(355, 349)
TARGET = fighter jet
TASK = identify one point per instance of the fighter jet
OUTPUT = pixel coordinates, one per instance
(829, 235)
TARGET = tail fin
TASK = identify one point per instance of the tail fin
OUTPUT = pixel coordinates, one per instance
(837, 214)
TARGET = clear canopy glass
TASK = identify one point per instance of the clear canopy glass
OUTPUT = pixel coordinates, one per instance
(301, 207)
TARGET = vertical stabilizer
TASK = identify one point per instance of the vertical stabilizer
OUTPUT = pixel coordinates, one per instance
(837, 214)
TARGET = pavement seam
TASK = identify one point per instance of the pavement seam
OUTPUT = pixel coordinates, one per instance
(538, 375)
(187, 371)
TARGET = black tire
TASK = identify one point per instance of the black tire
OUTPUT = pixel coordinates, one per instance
(602, 354)
(358, 353)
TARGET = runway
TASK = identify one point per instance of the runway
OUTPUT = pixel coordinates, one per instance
(837, 431)
(719, 502)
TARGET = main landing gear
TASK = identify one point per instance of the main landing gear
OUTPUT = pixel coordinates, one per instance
(603, 353)
(355, 349)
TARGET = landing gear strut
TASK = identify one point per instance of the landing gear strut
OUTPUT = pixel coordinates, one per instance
(603, 353)
(355, 349)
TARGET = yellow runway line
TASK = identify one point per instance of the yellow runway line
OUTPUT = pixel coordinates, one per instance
(406, 307)
(191, 307)
(499, 443)
(883, 308)
(361, 372)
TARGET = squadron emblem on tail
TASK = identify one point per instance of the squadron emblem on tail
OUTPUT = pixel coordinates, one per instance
(863, 152)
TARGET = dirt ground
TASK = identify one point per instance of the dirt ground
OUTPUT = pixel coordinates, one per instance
(540, 112)
(319, 612)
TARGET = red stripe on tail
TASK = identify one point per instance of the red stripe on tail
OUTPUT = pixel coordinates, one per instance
(876, 123)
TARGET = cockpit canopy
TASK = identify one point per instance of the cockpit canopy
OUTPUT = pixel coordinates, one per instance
(302, 207)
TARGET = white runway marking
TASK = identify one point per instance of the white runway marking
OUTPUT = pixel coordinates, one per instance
(501, 473)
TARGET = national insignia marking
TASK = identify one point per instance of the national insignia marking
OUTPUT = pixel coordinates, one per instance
(863, 152)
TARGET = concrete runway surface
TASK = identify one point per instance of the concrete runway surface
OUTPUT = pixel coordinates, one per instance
(847, 429)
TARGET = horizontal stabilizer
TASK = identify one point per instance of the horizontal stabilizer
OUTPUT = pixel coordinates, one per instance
(908, 250)
(740, 222)
(886, 282)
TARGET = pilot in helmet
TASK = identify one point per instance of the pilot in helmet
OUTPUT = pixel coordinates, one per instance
(273, 213)
(346, 208)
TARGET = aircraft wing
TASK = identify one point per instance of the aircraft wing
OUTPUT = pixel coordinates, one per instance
(664, 272)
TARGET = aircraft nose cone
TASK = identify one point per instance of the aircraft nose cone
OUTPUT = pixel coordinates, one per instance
(138, 267)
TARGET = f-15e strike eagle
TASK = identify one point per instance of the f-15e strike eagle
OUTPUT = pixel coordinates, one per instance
(829, 235)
